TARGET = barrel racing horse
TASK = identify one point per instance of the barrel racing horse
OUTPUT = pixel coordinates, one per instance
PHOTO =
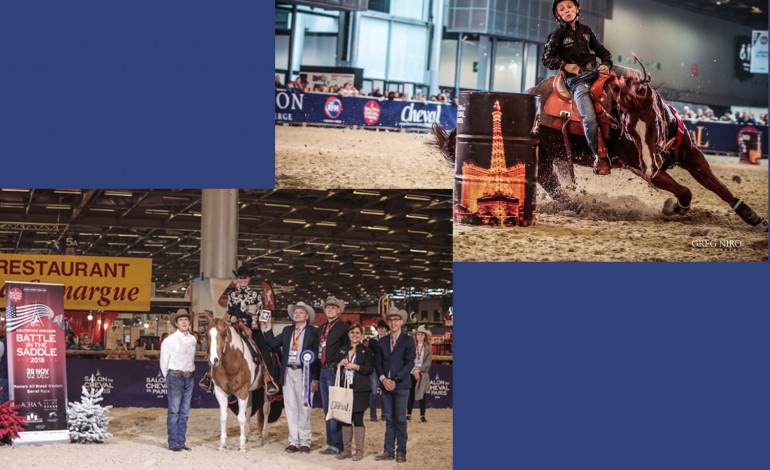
(639, 131)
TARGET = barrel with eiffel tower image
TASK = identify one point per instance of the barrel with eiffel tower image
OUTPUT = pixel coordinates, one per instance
(496, 164)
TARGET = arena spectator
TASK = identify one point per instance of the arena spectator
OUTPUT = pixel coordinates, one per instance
(278, 84)
(72, 341)
(348, 90)
(87, 344)
(382, 330)
(376, 93)
(728, 117)
(394, 363)
(293, 341)
(4, 393)
(420, 373)
(333, 338)
(333, 89)
(358, 365)
(300, 84)
(117, 351)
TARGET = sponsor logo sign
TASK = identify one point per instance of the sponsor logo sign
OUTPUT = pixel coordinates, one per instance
(333, 107)
(372, 112)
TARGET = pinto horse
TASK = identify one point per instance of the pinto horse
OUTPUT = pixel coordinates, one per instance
(645, 136)
(235, 372)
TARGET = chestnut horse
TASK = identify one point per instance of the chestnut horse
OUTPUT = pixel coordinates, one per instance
(235, 372)
(647, 137)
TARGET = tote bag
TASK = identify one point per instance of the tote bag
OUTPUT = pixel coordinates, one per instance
(340, 400)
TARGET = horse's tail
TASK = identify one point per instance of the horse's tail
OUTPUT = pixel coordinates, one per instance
(444, 142)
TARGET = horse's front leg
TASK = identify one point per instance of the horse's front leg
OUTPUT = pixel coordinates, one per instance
(265, 414)
(244, 412)
(678, 206)
(222, 400)
(695, 162)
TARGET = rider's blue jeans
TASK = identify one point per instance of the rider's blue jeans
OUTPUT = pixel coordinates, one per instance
(179, 396)
(581, 90)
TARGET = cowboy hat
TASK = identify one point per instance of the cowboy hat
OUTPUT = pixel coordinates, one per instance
(423, 330)
(310, 310)
(332, 300)
(244, 271)
(395, 311)
(179, 314)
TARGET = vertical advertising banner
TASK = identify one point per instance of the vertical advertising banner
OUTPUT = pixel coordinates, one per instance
(759, 52)
(37, 373)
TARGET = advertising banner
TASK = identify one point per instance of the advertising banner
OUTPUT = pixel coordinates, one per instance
(759, 49)
(90, 282)
(721, 137)
(37, 373)
(321, 108)
(140, 383)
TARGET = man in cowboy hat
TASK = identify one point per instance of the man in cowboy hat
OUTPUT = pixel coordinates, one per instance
(299, 372)
(382, 330)
(243, 306)
(394, 363)
(334, 336)
(177, 356)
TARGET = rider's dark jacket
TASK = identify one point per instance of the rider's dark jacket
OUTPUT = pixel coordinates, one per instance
(568, 46)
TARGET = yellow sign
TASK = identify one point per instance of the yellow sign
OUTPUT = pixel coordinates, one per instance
(90, 282)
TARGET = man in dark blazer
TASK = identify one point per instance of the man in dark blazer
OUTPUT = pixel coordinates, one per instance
(394, 363)
(299, 372)
(333, 337)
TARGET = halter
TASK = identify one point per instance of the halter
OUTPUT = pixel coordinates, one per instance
(224, 345)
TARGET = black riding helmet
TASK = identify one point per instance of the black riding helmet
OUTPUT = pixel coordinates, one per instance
(556, 2)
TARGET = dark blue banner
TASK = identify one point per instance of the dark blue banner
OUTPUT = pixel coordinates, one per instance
(140, 383)
(721, 137)
(321, 108)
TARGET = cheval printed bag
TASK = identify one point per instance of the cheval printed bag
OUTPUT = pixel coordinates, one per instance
(340, 400)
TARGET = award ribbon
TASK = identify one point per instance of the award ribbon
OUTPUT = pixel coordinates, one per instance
(307, 358)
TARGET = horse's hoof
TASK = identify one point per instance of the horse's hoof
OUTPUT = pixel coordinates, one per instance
(222, 448)
(241, 449)
(672, 207)
(761, 227)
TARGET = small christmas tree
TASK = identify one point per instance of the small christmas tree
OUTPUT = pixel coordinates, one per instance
(87, 419)
(11, 422)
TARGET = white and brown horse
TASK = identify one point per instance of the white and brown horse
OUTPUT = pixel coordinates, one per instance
(235, 372)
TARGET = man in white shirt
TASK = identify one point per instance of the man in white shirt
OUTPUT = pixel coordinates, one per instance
(177, 363)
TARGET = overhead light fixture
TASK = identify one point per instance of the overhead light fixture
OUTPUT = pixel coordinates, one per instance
(253, 248)
(362, 192)
(385, 248)
(127, 235)
(100, 209)
(12, 205)
(290, 250)
(119, 193)
(327, 209)
(372, 212)
(15, 190)
(375, 227)
(351, 246)
(117, 243)
(417, 216)
(273, 204)
(66, 191)
(294, 221)
(90, 317)
(59, 207)
(172, 237)
(419, 232)
(327, 224)
(157, 211)
(415, 197)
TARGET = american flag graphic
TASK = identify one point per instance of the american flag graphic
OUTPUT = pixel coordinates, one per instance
(20, 315)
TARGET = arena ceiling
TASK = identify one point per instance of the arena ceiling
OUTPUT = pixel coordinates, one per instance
(752, 13)
(356, 244)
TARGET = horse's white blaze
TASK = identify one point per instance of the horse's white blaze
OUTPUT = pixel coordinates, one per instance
(213, 349)
(641, 131)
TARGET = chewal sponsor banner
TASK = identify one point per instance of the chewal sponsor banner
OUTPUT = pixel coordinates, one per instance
(140, 383)
(322, 108)
(90, 282)
(37, 373)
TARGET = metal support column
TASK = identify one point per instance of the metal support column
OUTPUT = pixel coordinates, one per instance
(219, 232)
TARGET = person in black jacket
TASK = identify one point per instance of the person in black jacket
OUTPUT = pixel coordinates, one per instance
(382, 330)
(573, 47)
(358, 364)
(334, 336)
(299, 372)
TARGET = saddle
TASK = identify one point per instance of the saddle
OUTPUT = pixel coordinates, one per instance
(560, 109)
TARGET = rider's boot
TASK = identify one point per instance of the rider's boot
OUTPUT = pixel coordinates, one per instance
(602, 165)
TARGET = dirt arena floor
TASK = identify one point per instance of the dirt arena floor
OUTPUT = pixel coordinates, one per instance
(621, 220)
(328, 158)
(139, 441)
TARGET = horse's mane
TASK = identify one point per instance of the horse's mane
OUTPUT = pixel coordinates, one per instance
(633, 92)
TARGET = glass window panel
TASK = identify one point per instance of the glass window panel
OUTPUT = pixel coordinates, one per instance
(408, 8)
(530, 69)
(509, 62)
(446, 68)
(408, 53)
(372, 46)
(319, 50)
(281, 52)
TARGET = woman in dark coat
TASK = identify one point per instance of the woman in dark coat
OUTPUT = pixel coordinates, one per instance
(356, 361)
